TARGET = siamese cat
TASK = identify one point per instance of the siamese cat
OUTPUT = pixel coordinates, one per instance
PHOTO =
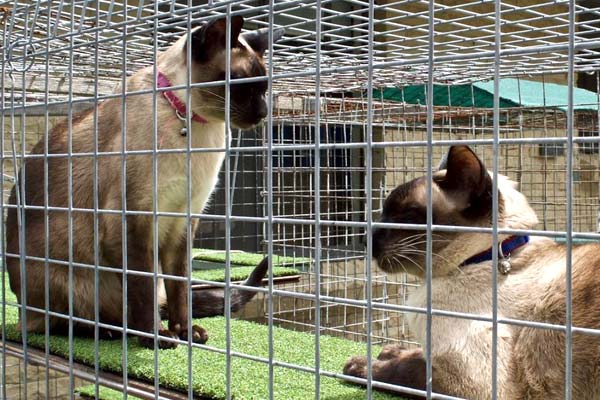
(531, 287)
(126, 183)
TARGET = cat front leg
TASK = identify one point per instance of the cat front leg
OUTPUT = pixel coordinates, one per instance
(395, 365)
(140, 297)
(177, 303)
(174, 261)
(140, 289)
(141, 312)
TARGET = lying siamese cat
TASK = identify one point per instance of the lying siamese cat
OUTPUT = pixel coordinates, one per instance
(531, 286)
(207, 130)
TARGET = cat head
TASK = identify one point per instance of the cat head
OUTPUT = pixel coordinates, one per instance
(461, 196)
(208, 58)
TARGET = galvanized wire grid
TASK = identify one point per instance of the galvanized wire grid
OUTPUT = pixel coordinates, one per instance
(293, 189)
(534, 39)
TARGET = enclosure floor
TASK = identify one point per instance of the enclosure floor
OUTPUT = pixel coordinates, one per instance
(58, 383)
(249, 379)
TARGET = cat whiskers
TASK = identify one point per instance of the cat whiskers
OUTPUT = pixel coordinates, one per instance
(397, 261)
(423, 252)
(401, 246)
(417, 243)
(397, 258)
(392, 261)
(406, 247)
(206, 91)
(235, 114)
(409, 259)
(409, 240)
(220, 100)
(220, 107)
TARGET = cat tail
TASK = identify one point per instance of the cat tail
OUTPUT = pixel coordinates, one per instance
(208, 303)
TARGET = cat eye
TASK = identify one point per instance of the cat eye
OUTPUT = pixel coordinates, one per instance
(412, 215)
(232, 76)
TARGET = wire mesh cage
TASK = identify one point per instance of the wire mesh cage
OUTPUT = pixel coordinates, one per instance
(363, 96)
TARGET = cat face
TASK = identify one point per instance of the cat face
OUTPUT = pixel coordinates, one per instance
(247, 100)
(461, 196)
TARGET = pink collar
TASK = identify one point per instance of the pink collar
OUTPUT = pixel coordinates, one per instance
(163, 82)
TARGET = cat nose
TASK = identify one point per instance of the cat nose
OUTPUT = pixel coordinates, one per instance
(262, 109)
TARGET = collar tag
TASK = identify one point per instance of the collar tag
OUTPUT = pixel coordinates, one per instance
(183, 131)
(504, 266)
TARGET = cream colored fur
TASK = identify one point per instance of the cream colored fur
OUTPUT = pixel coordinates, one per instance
(465, 345)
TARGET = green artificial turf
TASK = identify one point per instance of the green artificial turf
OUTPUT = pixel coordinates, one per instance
(238, 273)
(242, 264)
(249, 379)
(243, 258)
(104, 393)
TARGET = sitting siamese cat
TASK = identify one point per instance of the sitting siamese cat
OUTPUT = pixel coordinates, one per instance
(71, 237)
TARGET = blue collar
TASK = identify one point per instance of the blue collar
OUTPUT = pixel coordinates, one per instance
(506, 247)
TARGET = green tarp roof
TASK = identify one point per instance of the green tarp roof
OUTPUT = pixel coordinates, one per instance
(513, 93)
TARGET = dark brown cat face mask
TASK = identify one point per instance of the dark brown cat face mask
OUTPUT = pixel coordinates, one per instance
(247, 100)
(461, 195)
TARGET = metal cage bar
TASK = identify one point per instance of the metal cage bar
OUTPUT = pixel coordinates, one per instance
(362, 96)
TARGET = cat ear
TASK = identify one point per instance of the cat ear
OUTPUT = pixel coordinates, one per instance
(211, 38)
(258, 40)
(466, 179)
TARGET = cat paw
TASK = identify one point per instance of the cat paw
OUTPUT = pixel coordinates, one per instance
(391, 351)
(199, 334)
(148, 342)
(356, 366)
